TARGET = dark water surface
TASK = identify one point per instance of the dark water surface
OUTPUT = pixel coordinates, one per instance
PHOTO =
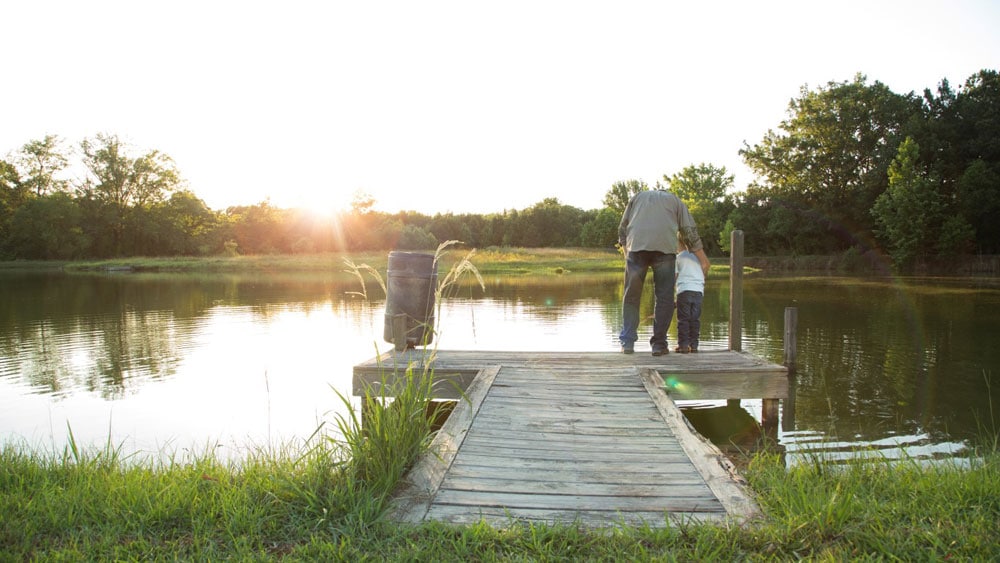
(160, 364)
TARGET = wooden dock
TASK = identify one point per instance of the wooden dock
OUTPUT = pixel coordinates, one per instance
(707, 375)
(586, 438)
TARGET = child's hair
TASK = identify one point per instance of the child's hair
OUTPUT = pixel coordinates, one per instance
(681, 247)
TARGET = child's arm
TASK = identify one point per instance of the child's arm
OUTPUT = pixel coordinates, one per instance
(703, 259)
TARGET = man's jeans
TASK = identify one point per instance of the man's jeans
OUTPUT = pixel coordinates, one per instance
(688, 318)
(636, 265)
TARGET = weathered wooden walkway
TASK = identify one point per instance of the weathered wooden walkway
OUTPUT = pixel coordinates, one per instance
(587, 438)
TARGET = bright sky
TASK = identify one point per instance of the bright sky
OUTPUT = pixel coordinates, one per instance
(461, 106)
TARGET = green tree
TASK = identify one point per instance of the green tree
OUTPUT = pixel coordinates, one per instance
(704, 188)
(979, 200)
(548, 223)
(185, 226)
(13, 194)
(48, 228)
(618, 196)
(833, 155)
(122, 182)
(601, 231)
(448, 226)
(701, 182)
(40, 162)
(912, 216)
(257, 229)
(412, 237)
(977, 111)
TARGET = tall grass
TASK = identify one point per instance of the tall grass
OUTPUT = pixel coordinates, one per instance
(326, 499)
(96, 505)
(909, 510)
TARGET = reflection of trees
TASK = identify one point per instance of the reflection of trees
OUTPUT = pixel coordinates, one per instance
(875, 358)
(550, 297)
(878, 358)
(107, 334)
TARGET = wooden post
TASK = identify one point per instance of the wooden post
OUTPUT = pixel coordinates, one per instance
(791, 353)
(791, 344)
(769, 418)
(736, 291)
(399, 332)
(735, 297)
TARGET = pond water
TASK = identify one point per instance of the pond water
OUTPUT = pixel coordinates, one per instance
(161, 365)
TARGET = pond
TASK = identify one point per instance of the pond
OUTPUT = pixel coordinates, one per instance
(165, 365)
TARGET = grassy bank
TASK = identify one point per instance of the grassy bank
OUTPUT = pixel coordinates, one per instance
(492, 261)
(488, 261)
(325, 501)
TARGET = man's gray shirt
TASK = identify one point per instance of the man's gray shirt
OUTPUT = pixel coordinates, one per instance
(651, 221)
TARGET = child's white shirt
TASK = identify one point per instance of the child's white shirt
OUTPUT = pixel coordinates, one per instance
(689, 274)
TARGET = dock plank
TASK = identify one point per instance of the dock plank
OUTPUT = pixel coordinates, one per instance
(542, 442)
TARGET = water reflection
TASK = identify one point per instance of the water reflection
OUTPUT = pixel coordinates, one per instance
(227, 362)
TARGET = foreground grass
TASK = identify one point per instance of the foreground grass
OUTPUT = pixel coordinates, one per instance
(327, 500)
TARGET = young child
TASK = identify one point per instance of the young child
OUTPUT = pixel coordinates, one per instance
(690, 283)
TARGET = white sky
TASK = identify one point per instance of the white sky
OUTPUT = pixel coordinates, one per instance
(461, 106)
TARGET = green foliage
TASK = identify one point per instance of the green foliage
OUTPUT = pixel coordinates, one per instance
(833, 155)
(726, 236)
(914, 218)
(601, 231)
(396, 429)
(41, 161)
(704, 189)
(700, 183)
(548, 223)
(49, 228)
(123, 183)
(415, 238)
(618, 196)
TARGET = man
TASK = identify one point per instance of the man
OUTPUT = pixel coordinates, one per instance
(648, 233)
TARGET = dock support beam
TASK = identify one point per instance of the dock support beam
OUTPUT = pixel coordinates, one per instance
(736, 291)
(791, 353)
(735, 297)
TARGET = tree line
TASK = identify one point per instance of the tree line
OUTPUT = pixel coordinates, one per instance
(854, 168)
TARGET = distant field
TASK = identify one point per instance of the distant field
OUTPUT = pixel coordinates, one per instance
(537, 261)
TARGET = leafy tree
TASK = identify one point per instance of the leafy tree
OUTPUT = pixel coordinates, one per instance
(977, 109)
(832, 158)
(620, 193)
(548, 223)
(13, 194)
(912, 215)
(48, 228)
(704, 189)
(702, 182)
(362, 202)
(412, 237)
(601, 231)
(40, 162)
(979, 201)
(185, 226)
(450, 227)
(256, 228)
(122, 182)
